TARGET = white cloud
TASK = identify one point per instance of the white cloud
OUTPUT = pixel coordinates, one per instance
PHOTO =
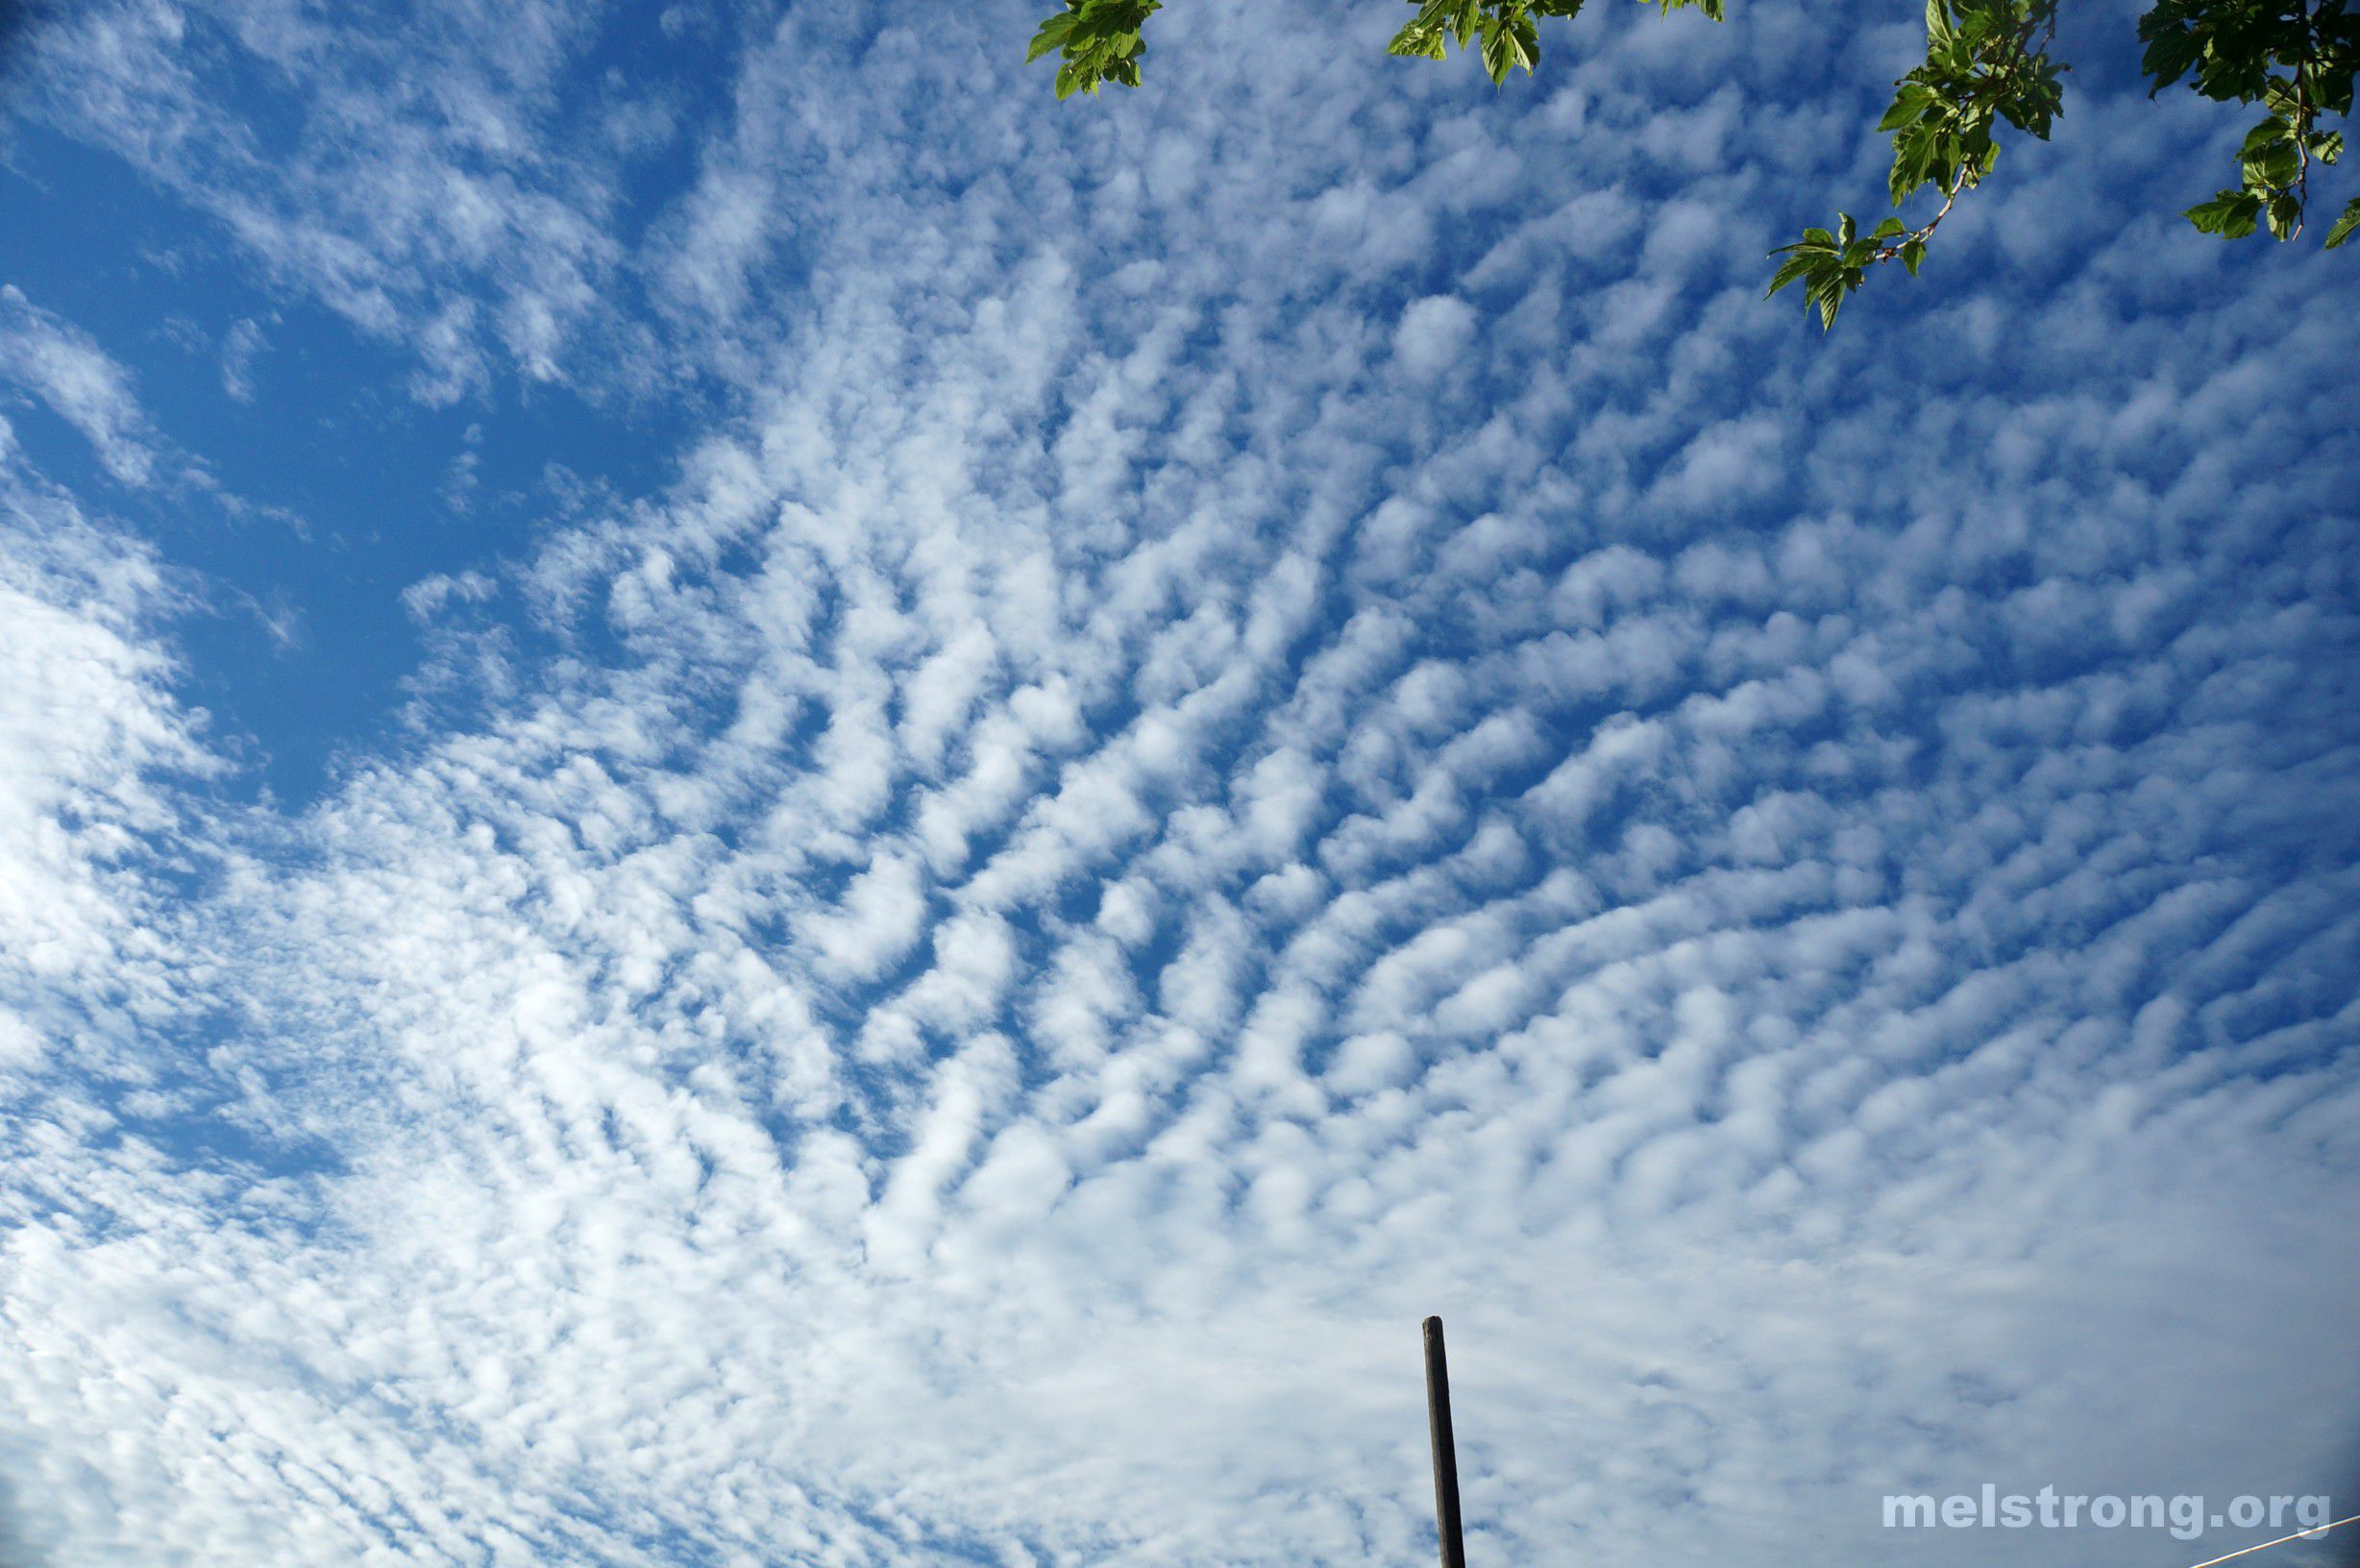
(60, 364)
(396, 194)
(1434, 334)
(238, 348)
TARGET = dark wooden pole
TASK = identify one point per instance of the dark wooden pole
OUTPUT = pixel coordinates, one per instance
(1445, 1451)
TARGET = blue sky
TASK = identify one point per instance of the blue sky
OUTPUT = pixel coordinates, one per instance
(762, 803)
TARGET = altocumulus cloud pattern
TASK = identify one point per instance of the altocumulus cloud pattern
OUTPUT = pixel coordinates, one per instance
(763, 804)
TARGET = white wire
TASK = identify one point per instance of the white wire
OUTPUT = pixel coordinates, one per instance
(2298, 1535)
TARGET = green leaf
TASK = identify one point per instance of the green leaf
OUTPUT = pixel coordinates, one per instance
(2346, 224)
(1052, 35)
(1917, 157)
(1417, 41)
(1499, 54)
(1888, 229)
(2173, 46)
(1911, 254)
(1792, 268)
(2231, 214)
(2274, 166)
(1910, 104)
(2261, 137)
(1509, 41)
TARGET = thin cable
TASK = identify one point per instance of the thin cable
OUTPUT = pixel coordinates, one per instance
(2298, 1535)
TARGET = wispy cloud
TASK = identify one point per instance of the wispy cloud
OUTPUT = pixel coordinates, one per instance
(408, 182)
(238, 348)
(60, 364)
